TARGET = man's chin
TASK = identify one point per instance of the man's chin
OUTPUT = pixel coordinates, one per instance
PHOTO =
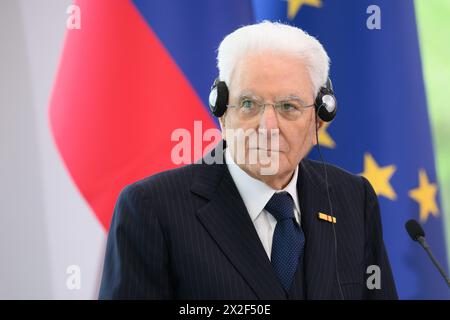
(264, 169)
(263, 156)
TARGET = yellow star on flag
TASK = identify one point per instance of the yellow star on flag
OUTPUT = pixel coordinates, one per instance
(294, 6)
(425, 195)
(379, 177)
(325, 139)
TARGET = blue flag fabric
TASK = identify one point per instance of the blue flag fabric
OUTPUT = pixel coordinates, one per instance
(382, 128)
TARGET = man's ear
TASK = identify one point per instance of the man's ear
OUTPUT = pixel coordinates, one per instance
(319, 123)
(222, 125)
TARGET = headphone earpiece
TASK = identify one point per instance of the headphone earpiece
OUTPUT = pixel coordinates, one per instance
(218, 98)
(326, 104)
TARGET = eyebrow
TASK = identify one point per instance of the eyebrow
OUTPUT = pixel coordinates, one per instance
(248, 95)
(291, 97)
(251, 95)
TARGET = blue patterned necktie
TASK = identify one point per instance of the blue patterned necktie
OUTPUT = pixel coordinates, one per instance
(288, 238)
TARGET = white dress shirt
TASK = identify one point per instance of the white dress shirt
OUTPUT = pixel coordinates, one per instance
(255, 195)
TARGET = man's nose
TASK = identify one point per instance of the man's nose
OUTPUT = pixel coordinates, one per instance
(269, 118)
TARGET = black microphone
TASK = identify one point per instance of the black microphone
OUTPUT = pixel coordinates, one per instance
(416, 233)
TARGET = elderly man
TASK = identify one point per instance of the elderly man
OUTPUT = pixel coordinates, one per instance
(232, 230)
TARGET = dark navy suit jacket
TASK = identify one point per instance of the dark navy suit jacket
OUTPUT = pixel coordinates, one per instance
(186, 234)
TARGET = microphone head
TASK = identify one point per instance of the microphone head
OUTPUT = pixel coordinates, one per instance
(414, 229)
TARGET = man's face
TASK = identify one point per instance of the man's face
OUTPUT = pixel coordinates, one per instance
(271, 77)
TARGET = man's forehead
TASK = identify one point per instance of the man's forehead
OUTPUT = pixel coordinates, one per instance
(270, 79)
(280, 96)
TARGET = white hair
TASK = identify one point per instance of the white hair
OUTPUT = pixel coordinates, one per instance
(278, 37)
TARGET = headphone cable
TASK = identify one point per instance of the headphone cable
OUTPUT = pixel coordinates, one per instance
(330, 204)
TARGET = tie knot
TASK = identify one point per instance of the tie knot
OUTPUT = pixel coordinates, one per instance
(281, 206)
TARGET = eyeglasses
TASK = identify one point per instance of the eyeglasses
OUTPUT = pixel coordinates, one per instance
(289, 109)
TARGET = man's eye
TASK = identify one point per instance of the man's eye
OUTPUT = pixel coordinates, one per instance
(287, 106)
(247, 104)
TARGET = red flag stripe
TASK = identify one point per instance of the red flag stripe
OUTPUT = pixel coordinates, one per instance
(117, 98)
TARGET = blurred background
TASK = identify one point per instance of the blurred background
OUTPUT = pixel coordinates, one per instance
(67, 108)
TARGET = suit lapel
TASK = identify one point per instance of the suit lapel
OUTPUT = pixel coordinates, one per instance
(228, 222)
(319, 256)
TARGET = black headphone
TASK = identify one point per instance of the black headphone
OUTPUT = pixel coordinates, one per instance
(325, 102)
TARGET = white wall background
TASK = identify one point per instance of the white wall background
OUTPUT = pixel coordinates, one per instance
(45, 224)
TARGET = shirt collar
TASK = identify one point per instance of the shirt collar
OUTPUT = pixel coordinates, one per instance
(254, 192)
